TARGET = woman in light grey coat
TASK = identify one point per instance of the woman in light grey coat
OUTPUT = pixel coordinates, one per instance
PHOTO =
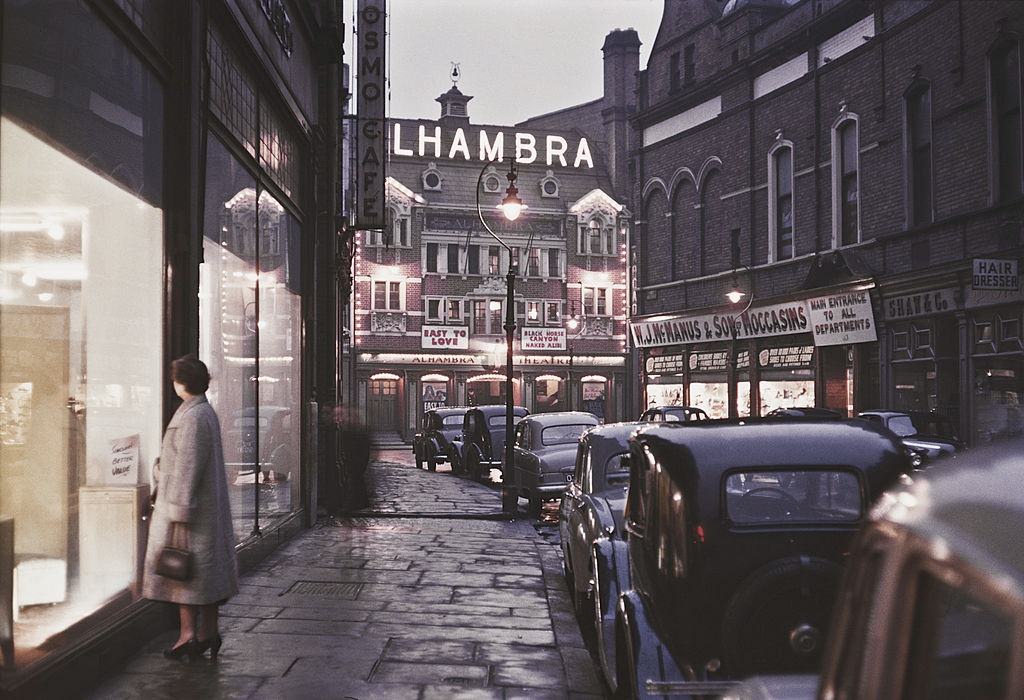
(192, 506)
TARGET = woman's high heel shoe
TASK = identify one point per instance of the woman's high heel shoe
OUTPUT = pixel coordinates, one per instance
(213, 644)
(190, 649)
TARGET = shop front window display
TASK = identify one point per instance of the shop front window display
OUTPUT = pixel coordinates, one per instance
(998, 397)
(81, 320)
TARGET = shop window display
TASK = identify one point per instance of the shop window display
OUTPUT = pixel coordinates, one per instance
(81, 316)
(713, 397)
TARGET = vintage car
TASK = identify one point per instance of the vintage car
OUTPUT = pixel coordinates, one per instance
(433, 442)
(545, 450)
(928, 435)
(483, 439)
(591, 529)
(932, 600)
(673, 414)
(737, 531)
(803, 412)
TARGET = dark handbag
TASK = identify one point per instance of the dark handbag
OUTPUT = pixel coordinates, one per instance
(174, 562)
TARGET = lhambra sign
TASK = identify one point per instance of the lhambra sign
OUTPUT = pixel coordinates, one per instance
(429, 141)
(833, 319)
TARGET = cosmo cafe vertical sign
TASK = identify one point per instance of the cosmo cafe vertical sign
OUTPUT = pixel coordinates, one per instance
(372, 130)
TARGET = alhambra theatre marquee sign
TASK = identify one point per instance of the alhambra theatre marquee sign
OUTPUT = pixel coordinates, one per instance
(429, 141)
(841, 318)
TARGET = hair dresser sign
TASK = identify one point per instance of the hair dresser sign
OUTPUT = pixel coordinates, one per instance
(431, 142)
(833, 319)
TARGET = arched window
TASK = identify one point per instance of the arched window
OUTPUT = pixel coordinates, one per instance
(845, 181)
(780, 201)
(398, 229)
(918, 148)
(596, 237)
(1004, 97)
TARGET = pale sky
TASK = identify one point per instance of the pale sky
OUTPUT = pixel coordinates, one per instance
(519, 58)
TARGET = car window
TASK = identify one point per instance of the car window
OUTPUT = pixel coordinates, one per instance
(451, 421)
(902, 426)
(857, 603)
(872, 418)
(639, 467)
(807, 495)
(613, 471)
(523, 435)
(582, 454)
(563, 434)
(677, 415)
(960, 647)
(934, 426)
(668, 510)
(498, 420)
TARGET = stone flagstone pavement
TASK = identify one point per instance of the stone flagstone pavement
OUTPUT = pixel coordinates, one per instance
(392, 606)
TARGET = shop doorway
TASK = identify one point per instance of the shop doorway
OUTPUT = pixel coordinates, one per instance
(382, 404)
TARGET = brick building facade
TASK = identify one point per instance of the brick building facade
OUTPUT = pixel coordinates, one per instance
(855, 169)
(429, 292)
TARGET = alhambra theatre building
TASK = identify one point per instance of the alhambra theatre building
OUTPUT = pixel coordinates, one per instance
(430, 290)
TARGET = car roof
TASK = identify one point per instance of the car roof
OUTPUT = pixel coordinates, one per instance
(714, 446)
(562, 418)
(972, 508)
(892, 413)
(449, 411)
(491, 410)
(611, 438)
(674, 406)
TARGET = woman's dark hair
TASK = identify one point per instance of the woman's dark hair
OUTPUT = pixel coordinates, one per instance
(191, 372)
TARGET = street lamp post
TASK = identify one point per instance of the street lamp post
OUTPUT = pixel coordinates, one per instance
(736, 296)
(511, 206)
(572, 323)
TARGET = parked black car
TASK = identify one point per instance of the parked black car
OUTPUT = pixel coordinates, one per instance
(433, 442)
(483, 438)
(545, 450)
(803, 412)
(737, 531)
(590, 525)
(673, 414)
(932, 600)
(928, 435)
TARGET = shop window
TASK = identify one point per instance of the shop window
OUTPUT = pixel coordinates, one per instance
(533, 312)
(278, 154)
(984, 338)
(918, 142)
(923, 342)
(845, 184)
(82, 294)
(780, 201)
(473, 260)
(549, 395)
(594, 397)
(232, 92)
(1004, 84)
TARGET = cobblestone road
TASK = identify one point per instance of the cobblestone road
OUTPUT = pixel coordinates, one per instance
(430, 595)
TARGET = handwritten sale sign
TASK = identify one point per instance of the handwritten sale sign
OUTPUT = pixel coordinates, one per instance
(124, 460)
(543, 339)
(451, 337)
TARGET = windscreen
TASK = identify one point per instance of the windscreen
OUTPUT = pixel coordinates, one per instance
(563, 434)
(496, 421)
(935, 426)
(803, 496)
(451, 421)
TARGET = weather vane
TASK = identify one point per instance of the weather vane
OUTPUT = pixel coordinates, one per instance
(455, 73)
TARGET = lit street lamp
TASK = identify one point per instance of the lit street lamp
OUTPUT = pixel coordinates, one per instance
(511, 206)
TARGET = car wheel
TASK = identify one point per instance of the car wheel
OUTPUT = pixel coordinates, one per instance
(431, 459)
(583, 605)
(777, 619)
(509, 499)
